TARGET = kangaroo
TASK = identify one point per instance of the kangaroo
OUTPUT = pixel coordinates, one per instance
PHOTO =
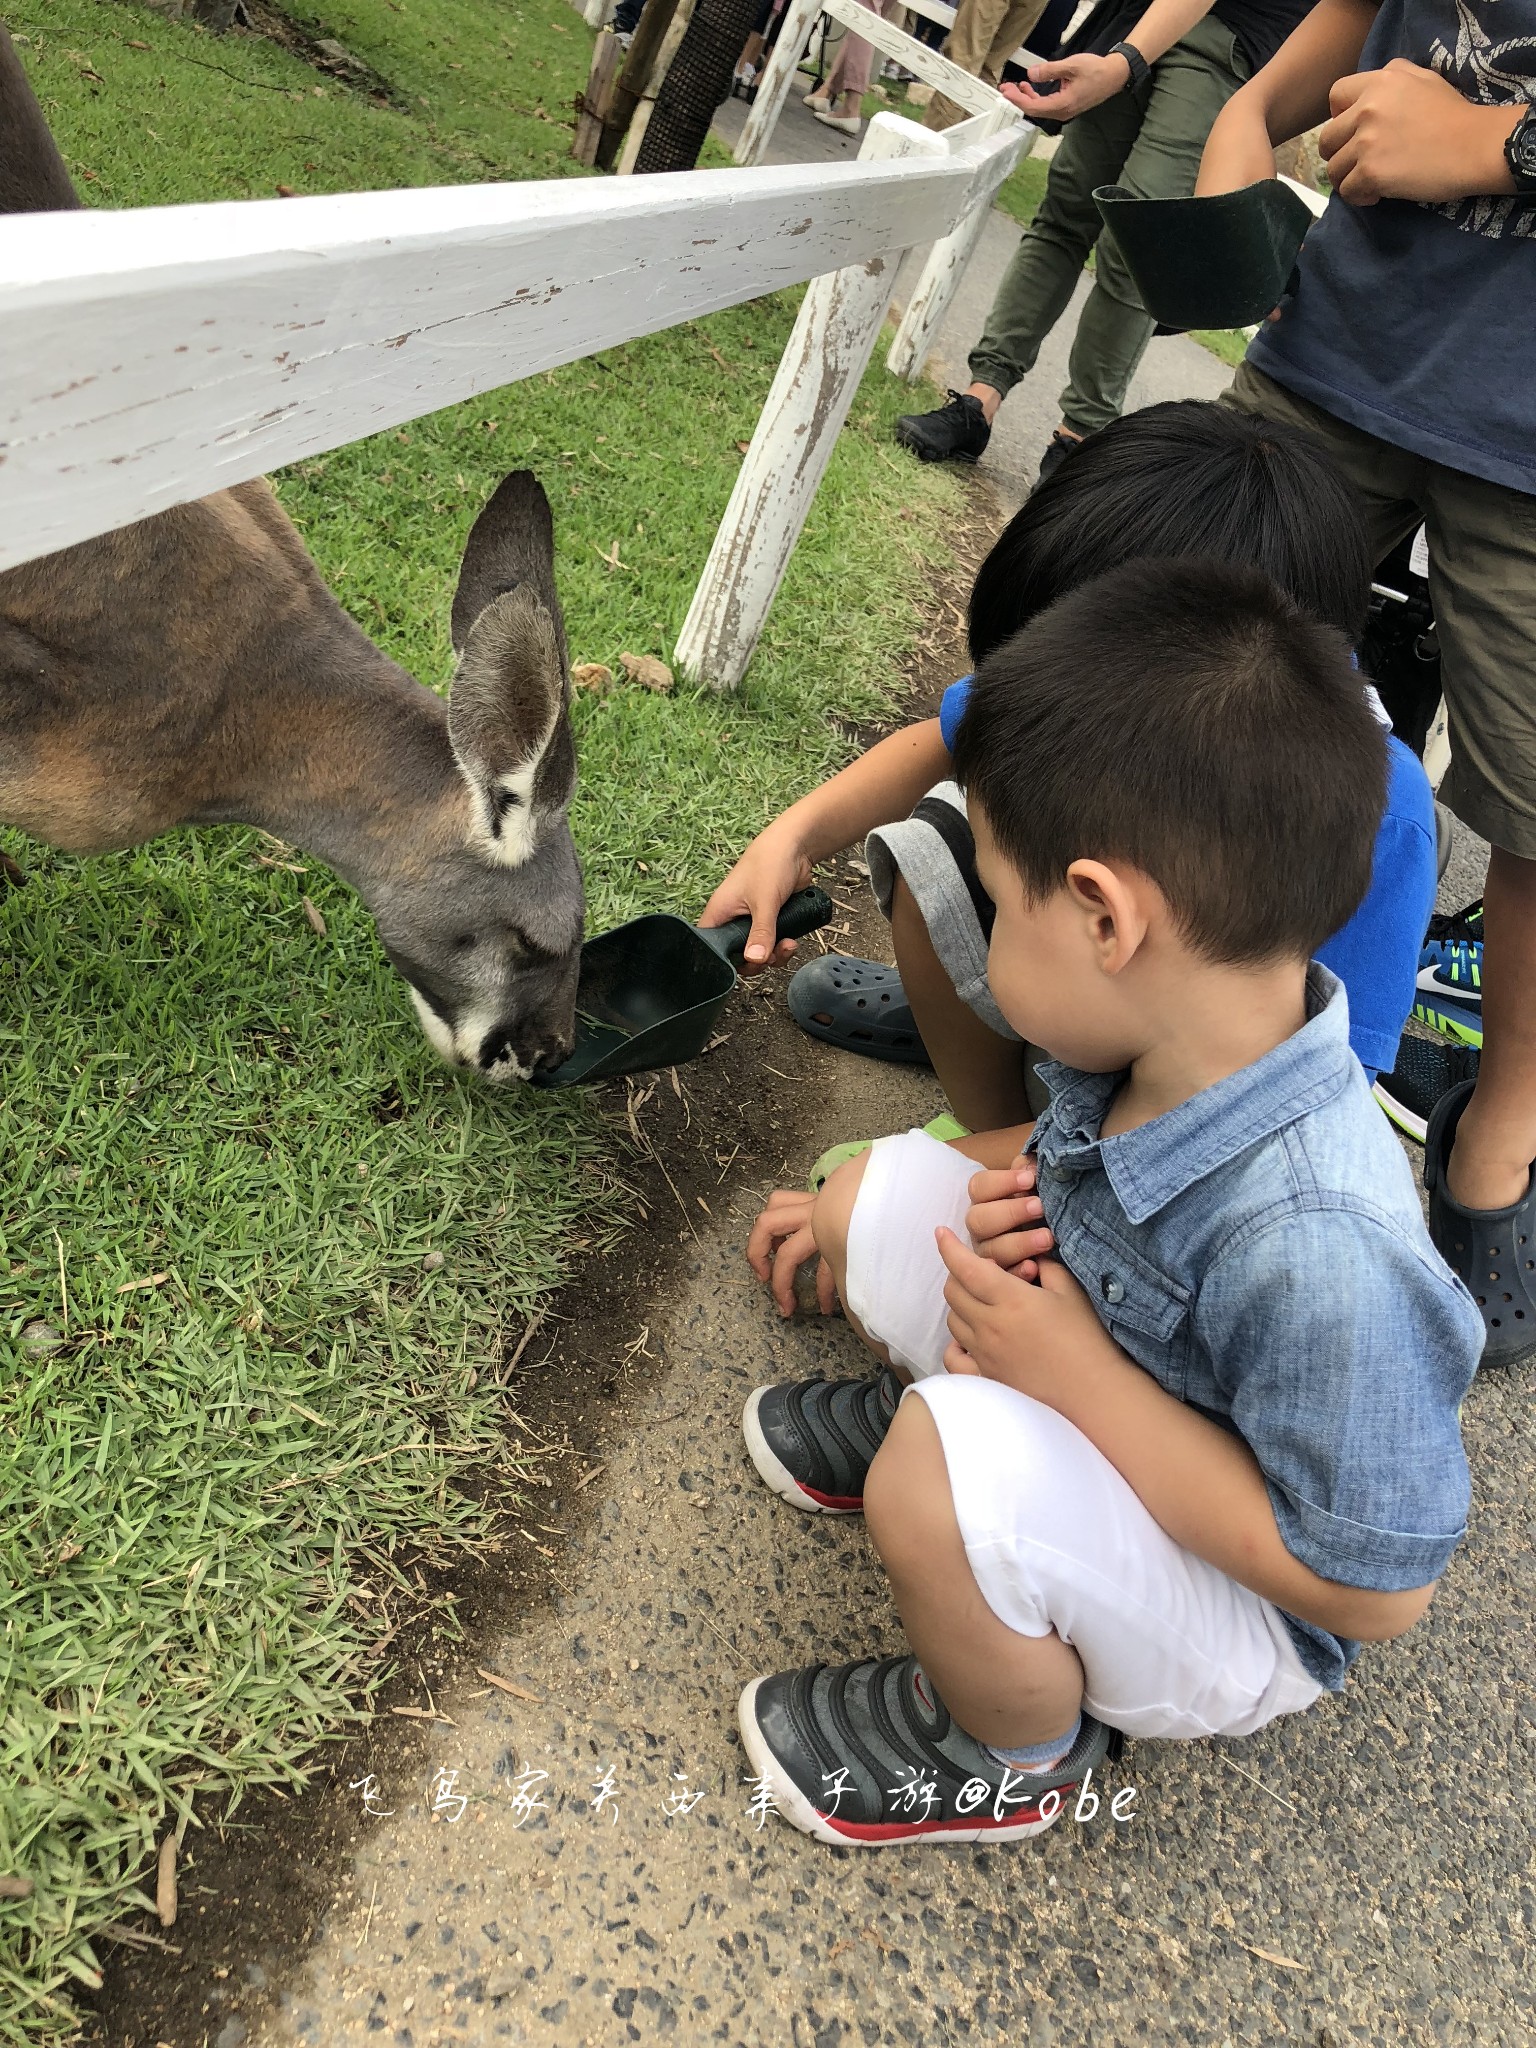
(193, 668)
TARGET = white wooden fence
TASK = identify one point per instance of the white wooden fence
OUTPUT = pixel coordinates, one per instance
(149, 357)
(992, 115)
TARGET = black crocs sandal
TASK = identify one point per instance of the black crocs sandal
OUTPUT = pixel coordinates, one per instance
(1492, 1250)
(858, 1005)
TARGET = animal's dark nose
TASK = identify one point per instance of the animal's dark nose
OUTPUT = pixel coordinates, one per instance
(532, 1047)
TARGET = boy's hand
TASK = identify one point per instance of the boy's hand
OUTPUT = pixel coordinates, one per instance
(1407, 133)
(1006, 1220)
(1031, 1338)
(761, 883)
(781, 1241)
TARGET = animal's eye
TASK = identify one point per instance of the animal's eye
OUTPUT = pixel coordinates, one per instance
(463, 941)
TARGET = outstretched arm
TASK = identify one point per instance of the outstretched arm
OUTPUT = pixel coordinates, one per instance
(1087, 80)
(878, 788)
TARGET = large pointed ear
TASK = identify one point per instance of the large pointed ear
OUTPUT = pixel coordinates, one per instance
(507, 724)
(32, 174)
(511, 543)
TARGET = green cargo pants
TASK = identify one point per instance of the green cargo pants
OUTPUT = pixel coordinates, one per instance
(1149, 143)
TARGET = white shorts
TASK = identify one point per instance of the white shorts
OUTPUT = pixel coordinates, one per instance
(1056, 1538)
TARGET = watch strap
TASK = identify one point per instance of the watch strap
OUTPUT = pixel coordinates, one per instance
(1520, 151)
(1140, 69)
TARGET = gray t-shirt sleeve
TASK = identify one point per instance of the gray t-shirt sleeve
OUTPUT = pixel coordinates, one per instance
(1345, 1352)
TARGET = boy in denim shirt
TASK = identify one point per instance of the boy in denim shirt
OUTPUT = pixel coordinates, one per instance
(1168, 1478)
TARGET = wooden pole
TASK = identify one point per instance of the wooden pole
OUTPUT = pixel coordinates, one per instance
(634, 79)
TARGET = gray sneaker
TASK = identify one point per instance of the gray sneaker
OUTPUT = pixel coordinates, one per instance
(866, 1755)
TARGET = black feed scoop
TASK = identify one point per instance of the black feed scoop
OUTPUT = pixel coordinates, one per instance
(1222, 261)
(652, 990)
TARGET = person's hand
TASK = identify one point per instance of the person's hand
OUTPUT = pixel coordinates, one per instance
(1407, 133)
(1006, 1220)
(1084, 81)
(781, 1241)
(761, 883)
(1030, 1337)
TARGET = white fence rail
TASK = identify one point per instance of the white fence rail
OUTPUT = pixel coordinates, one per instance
(151, 357)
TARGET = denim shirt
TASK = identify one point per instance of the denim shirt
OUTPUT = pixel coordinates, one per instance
(1260, 1251)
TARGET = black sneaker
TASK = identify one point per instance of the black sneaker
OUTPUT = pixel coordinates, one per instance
(1426, 1069)
(866, 1755)
(812, 1441)
(957, 432)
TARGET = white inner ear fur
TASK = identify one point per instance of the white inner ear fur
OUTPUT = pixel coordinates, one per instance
(507, 835)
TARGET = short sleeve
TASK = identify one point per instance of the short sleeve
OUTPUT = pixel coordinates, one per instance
(1345, 1352)
(952, 710)
(1376, 955)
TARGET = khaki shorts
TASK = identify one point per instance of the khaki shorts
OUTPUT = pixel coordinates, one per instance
(1482, 581)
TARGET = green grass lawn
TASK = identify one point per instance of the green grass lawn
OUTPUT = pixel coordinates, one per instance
(235, 1398)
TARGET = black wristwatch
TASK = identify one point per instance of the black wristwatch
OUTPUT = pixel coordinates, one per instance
(1520, 151)
(1140, 69)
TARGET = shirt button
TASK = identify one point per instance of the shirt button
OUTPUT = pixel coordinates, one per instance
(1114, 1289)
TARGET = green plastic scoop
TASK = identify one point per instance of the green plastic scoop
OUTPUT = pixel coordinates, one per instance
(651, 991)
(1224, 261)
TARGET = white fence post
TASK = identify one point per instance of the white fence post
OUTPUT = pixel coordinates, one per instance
(774, 85)
(833, 338)
(945, 266)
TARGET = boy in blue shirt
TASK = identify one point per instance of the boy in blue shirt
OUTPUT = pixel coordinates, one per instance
(1182, 1429)
(1179, 479)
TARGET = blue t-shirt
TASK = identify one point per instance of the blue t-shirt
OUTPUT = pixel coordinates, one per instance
(1259, 1250)
(1411, 321)
(1376, 955)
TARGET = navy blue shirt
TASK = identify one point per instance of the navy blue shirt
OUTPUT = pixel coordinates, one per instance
(1376, 955)
(1415, 322)
(1260, 1251)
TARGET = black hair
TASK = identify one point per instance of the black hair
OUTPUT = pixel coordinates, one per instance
(1185, 478)
(1190, 719)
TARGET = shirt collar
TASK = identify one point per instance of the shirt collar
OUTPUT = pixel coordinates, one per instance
(1151, 1165)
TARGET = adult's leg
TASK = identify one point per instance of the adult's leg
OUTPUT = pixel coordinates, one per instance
(1482, 568)
(1189, 88)
(986, 33)
(851, 72)
(1012, 30)
(982, 1074)
(1039, 282)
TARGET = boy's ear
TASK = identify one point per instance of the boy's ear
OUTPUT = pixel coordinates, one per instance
(1111, 906)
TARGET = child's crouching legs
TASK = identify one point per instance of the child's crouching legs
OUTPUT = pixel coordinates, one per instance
(1007, 1689)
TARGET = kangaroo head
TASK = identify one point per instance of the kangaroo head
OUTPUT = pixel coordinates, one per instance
(487, 928)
